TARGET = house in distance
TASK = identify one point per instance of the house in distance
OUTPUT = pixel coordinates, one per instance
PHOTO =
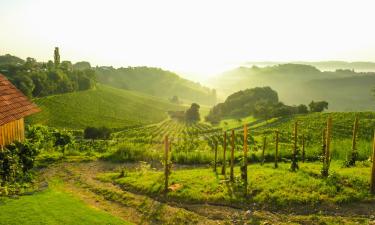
(14, 107)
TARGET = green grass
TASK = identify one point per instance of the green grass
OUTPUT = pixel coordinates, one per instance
(227, 124)
(267, 186)
(103, 106)
(52, 207)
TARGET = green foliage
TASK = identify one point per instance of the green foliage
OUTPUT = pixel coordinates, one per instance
(97, 133)
(318, 106)
(62, 139)
(102, 106)
(258, 102)
(192, 114)
(56, 57)
(16, 160)
(36, 79)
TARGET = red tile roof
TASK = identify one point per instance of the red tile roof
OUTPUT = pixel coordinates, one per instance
(13, 104)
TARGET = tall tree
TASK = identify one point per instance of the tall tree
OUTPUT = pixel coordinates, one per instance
(56, 57)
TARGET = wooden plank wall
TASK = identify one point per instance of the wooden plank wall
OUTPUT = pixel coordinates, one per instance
(13, 131)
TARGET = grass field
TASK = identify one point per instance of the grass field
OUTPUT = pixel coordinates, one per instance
(103, 106)
(50, 207)
(270, 187)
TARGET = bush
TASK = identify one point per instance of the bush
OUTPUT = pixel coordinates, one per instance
(97, 133)
(16, 161)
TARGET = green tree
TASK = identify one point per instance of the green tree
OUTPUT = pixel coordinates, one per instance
(56, 57)
(192, 114)
(318, 106)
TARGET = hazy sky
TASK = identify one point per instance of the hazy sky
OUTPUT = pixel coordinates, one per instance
(193, 37)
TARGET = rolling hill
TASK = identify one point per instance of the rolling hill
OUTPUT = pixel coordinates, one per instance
(324, 65)
(345, 90)
(102, 106)
(156, 82)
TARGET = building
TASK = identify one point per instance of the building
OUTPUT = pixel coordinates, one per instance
(14, 107)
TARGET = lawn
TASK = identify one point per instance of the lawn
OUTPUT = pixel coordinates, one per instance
(52, 206)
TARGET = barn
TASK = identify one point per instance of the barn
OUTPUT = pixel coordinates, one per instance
(14, 107)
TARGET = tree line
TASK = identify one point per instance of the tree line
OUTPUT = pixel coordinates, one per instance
(38, 79)
(260, 102)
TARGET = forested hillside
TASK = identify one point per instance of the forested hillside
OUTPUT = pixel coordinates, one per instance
(345, 90)
(157, 82)
(37, 79)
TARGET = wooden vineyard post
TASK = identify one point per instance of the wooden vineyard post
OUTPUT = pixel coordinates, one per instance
(373, 167)
(166, 163)
(327, 153)
(264, 149)
(244, 168)
(276, 148)
(303, 148)
(232, 158)
(223, 169)
(215, 163)
(294, 165)
(352, 157)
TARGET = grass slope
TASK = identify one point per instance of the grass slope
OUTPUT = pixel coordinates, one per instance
(52, 207)
(103, 106)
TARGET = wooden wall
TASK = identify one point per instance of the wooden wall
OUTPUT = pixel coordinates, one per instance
(13, 131)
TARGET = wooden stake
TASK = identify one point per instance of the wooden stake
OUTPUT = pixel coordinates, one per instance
(276, 148)
(223, 168)
(373, 167)
(215, 163)
(352, 157)
(245, 158)
(166, 163)
(294, 165)
(327, 153)
(328, 139)
(232, 158)
(263, 149)
(303, 148)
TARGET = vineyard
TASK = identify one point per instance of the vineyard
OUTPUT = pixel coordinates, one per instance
(278, 165)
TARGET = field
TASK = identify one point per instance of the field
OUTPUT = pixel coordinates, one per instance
(103, 106)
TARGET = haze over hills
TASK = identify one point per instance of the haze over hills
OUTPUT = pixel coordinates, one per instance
(156, 82)
(345, 90)
(323, 65)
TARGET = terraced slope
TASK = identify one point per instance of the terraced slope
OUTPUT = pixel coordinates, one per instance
(103, 106)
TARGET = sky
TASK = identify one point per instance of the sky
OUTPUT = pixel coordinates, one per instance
(197, 38)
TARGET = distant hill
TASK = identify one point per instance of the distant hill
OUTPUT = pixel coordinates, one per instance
(156, 82)
(10, 60)
(324, 65)
(102, 106)
(345, 90)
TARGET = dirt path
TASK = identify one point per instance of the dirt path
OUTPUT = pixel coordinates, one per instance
(79, 179)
